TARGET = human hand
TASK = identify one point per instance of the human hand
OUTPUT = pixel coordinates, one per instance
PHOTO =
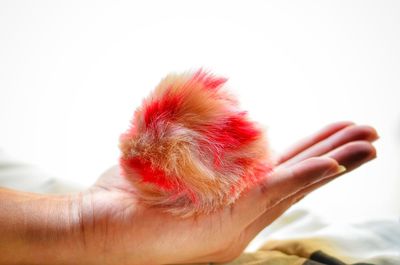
(122, 231)
(108, 225)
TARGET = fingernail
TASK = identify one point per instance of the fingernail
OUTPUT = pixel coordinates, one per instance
(341, 169)
(336, 170)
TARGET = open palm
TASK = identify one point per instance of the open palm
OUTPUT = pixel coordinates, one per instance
(118, 229)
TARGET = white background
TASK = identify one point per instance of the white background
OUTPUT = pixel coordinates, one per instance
(72, 73)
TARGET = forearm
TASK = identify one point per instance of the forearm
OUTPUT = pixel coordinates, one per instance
(38, 229)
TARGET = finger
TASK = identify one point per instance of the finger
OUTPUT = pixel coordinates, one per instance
(346, 135)
(354, 156)
(311, 140)
(281, 184)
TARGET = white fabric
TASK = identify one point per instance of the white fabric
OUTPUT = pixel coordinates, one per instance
(18, 175)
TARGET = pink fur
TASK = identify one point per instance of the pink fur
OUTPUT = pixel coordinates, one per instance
(190, 148)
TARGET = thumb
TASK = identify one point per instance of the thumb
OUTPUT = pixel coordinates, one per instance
(282, 183)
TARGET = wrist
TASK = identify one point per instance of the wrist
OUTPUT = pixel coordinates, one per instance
(56, 238)
(41, 229)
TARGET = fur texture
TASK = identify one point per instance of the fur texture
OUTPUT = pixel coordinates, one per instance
(190, 149)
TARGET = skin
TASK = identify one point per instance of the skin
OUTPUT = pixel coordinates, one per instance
(107, 225)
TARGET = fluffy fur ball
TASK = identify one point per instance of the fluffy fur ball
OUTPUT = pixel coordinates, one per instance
(190, 148)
